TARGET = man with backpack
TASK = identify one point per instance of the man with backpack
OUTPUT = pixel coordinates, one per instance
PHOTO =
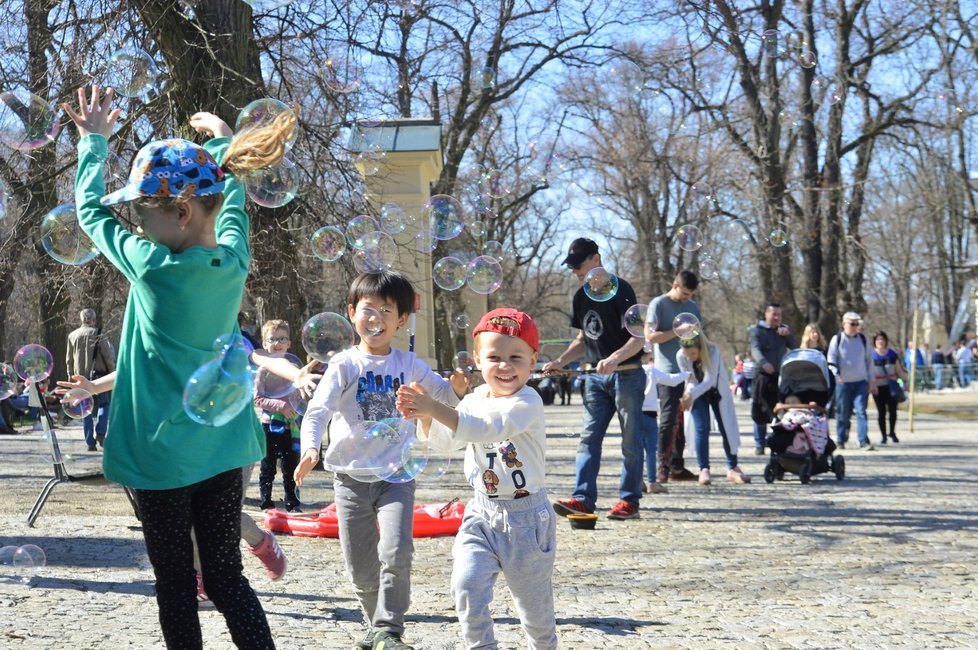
(851, 360)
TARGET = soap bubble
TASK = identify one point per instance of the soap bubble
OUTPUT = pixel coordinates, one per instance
(3, 201)
(377, 258)
(424, 242)
(275, 186)
(362, 232)
(268, 384)
(445, 216)
(795, 39)
(778, 238)
(228, 342)
(487, 77)
(115, 172)
(734, 230)
(220, 389)
(449, 273)
(267, 5)
(461, 320)
(484, 275)
(689, 238)
(393, 219)
(33, 363)
(8, 381)
(600, 285)
(30, 556)
(328, 243)
(26, 120)
(371, 452)
(807, 59)
(77, 403)
(414, 456)
(341, 73)
(298, 402)
(263, 112)
(131, 72)
(63, 239)
(494, 249)
(708, 268)
(477, 229)
(769, 42)
(437, 464)
(634, 320)
(464, 360)
(788, 118)
(686, 326)
(495, 184)
(368, 321)
(325, 334)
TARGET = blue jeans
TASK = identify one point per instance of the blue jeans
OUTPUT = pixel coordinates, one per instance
(101, 413)
(623, 392)
(701, 423)
(963, 377)
(938, 375)
(851, 395)
(651, 434)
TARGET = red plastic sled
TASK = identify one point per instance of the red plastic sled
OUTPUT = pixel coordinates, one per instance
(429, 521)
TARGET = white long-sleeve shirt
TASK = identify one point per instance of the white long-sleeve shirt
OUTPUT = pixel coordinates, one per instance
(505, 442)
(655, 376)
(358, 387)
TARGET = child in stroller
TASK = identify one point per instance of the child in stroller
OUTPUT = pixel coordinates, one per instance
(799, 440)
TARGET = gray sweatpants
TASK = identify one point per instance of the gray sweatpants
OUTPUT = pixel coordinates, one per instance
(519, 538)
(378, 562)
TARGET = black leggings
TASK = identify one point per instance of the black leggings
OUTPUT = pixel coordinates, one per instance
(279, 445)
(885, 405)
(213, 509)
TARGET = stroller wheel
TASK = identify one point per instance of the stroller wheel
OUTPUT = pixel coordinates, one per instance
(805, 472)
(839, 467)
(769, 472)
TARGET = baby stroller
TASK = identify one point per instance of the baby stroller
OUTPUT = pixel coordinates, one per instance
(800, 441)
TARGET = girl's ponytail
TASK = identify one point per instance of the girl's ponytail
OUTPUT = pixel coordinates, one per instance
(263, 146)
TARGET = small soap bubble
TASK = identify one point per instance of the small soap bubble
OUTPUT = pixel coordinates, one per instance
(424, 242)
(341, 73)
(77, 403)
(689, 238)
(735, 230)
(477, 229)
(33, 363)
(393, 219)
(461, 321)
(807, 59)
(634, 320)
(325, 334)
(263, 112)
(495, 184)
(708, 268)
(449, 273)
(131, 72)
(464, 360)
(267, 5)
(8, 381)
(26, 120)
(268, 384)
(788, 118)
(115, 172)
(493, 249)
(769, 42)
(328, 243)
(487, 77)
(63, 239)
(362, 231)
(275, 186)
(600, 285)
(378, 258)
(778, 238)
(484, 274)
(445, 216)
(686, 326)
(795, 39)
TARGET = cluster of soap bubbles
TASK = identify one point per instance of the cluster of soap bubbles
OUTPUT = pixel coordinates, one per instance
(19, 563)
(483, 274)
(793, 44)
(277, 185)
(385, 450)
(730, 232)
(221, 388)
(325, 334)
(63, 239)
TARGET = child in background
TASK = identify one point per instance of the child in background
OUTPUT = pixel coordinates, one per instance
(375, 519)
(187, 273)
(278, 418)
(650, 407)
(509, 525)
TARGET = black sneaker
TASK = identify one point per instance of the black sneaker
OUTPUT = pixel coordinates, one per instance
(293, 507)
(384, 640)
(883, 441)
(894, 438)
(267, 504)
(367, 642)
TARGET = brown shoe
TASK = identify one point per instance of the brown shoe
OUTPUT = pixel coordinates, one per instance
(736, 475)
(654, 488)
(682, 475)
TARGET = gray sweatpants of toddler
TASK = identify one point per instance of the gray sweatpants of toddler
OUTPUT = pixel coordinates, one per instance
(517, 537)
(378, 561)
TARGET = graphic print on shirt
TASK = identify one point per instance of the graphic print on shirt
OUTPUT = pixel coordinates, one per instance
(490, 481)
(593, 327)
(376, 395)
(507, 454)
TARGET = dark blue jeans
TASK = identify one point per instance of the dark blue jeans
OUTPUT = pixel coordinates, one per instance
(604, 395)
(701, 422)
(848, 396)
(97, 422)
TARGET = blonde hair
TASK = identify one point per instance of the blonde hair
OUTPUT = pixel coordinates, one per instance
(261, 146)
(806, 337)
(271, 326)
(702, 345)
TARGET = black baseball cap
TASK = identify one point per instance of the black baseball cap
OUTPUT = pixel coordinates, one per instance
(580, 249)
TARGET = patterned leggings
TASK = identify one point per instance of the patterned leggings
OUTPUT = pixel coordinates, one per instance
(213, 509)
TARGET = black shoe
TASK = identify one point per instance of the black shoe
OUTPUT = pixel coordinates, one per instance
(894, 438)
(367, 642)
(385, 640)
(883, 441)
(682, 475)
(267, 504)
(92, 448)
(293, 507)
(100, 439)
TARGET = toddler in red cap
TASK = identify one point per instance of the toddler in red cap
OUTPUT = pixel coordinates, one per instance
(509, 525)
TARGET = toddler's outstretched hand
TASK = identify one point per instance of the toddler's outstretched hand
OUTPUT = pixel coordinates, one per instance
(307, 379)
(460, 381)
(94, 115)
(413, 401)
(210, 125)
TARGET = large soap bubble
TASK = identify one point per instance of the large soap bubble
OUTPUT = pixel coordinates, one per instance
(275, 186)
(446, 218)
(325, 334)
(377, 258)
(328, 243)
(371, 452)
(484, 275)
(63, 239)
(449, 273)
(131, 72)
(26, 120)
(33, 363)
(600, 285)
(8, 381)
(362, 231)
(686, 326)
(263, 112)
(221, 388)
(634, 320)
(341, 73)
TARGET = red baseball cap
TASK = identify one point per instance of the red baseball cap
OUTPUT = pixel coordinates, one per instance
(511, 322)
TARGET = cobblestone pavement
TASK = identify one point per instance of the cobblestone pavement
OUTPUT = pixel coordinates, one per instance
(883, 559)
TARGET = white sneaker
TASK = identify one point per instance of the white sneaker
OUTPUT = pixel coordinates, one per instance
(705, 476)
